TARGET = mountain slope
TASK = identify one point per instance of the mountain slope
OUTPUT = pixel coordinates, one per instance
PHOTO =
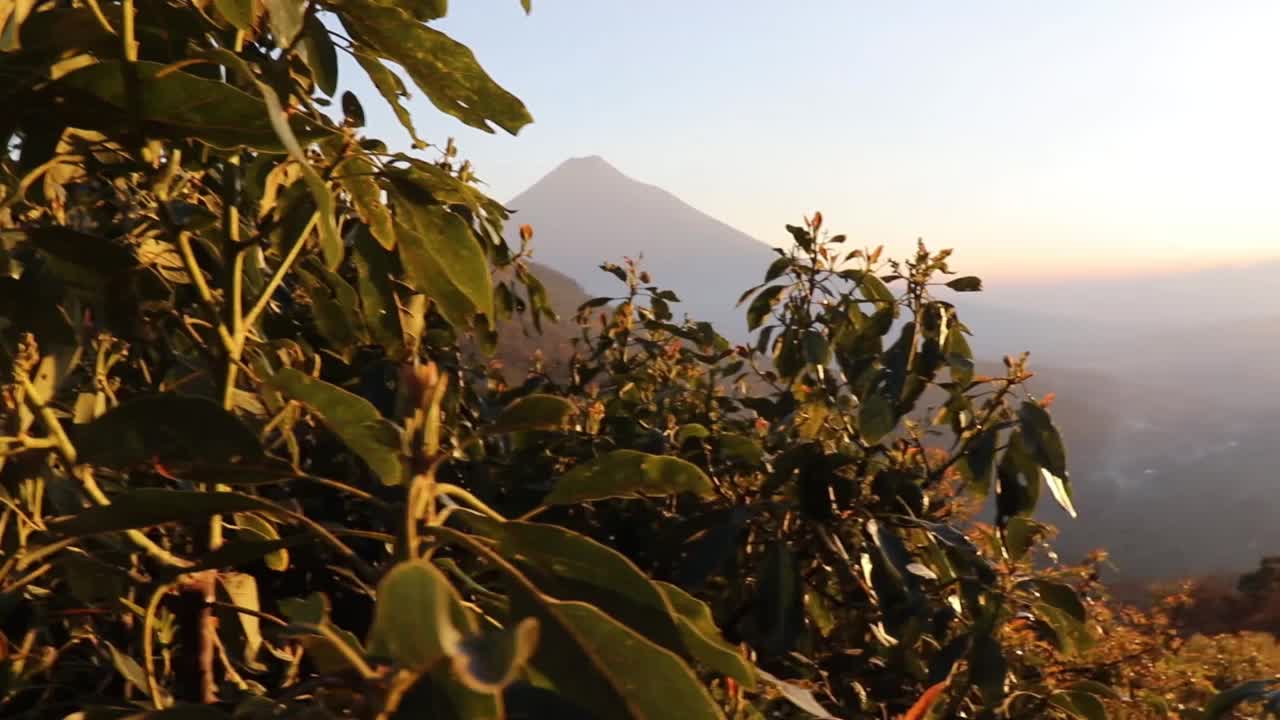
(586, 212)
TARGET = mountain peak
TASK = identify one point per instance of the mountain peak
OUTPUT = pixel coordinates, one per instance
(587, 212)
(589, 166)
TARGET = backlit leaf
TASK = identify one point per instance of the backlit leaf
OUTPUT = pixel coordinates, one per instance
(443, 68)
(176, 104)
(146, 507)
(358, 177)
(416, 614)
(285, 17)
(534, 412)
(239, 12)
(443, 260)
(352, 418)
(968, 283)
(318, 52)
(762, 305)
(168, 428)
(702, 639)
(628, 473)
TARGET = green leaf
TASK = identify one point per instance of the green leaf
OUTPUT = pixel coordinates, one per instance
(570, 566)
(353, 111)
(690, 430)
(762, 305)
(442, 260)
(421, 10)
(800, 697)
(376, 270)
(1223, 702)
(1060, 488)
(702, 638)
(1069, 632)
(90, 252)
(238, 12)
(534, 412)
(242, 588)
(358, 177)
(443, 694)
(318, 52)
(333, 306)
(416, 618)
(816, 350)
(628, 473)
(181, 712)
(422, 183)
(285, 17)
(236, 553)
(130, 670)
(253, 524)
(352, 418)
(310, 610)
(330, 244)
(1020, 534)
(968, 283)
(1082, 705)
(490, 661)
(614, 671)
(777, 268)
(978, 463)
(166, 428)
(391, 89)
(147, 507)
(876, 290)
(1042, 438)
(987, 668)
(779, 606)
(739, 448)
(593, 659)
(1043, 441)
(875, 417)
(443, 68)
(1094, 687)
(177, 105)
(1060, 596)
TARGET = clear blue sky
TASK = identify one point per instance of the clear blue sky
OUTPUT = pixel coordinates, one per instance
(1037, 138)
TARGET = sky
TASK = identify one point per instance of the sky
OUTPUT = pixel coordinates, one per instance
(1037, 139)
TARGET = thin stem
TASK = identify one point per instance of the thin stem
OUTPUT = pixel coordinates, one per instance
(48, 419)
(148, 644)
(201, 285)
(252, 613)
(85, 474)
(229, 384)
(102, 19)
(26, 560)
(278, 276)
(475, 502)
(25, 579)
(357, 661)
(130, 44)
(90, 486)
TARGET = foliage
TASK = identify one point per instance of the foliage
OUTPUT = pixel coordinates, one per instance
(252, 467)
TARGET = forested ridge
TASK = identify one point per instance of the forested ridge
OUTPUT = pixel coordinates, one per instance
(269, 449)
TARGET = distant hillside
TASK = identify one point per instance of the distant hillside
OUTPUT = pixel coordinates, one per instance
(518, 340)
(586, 212)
